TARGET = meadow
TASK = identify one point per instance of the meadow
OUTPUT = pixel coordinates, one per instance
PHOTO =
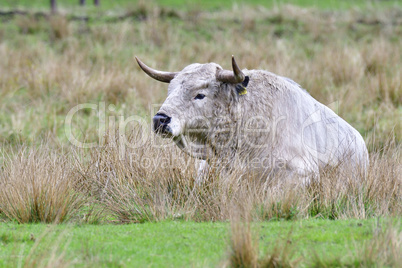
(131, 199)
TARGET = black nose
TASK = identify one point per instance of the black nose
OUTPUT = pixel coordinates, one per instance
(161, 122)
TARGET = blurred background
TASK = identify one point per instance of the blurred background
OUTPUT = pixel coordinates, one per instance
(58, 54)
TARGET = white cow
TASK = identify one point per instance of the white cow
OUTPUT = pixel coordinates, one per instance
(255, 118)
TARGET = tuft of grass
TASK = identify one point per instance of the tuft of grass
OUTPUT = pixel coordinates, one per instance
(38, 186)
(28, 24)
(59, 27)
(243, 246)
(383, 250)
(282, 255)
(145, 183)
(244, 250)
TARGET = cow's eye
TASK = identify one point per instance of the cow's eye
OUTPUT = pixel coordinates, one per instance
(199, 97)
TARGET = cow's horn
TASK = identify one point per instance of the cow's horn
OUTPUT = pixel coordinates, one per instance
(236, 76)
(155, 74)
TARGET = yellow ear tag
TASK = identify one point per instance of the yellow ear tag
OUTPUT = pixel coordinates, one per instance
(241, 90)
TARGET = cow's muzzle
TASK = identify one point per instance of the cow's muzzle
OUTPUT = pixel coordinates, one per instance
(161, 122)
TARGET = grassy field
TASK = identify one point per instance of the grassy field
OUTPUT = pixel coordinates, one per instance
(139, 204)
(183, 244)
(206, 4)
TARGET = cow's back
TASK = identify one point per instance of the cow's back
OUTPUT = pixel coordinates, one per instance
(308, 135)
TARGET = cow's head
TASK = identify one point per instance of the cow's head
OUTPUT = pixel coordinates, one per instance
(197, 96)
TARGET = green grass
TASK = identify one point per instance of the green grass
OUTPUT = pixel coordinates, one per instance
(177, 244)
(35, 99)
(205, 4)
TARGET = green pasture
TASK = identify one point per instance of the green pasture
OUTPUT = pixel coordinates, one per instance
(203, 4)
(177, 243)
(34, 110)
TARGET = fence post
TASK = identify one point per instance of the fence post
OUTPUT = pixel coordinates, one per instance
(82, 2)
(96, 2)
(53, 6)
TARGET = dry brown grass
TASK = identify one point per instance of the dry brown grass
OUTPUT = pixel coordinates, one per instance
(38, 186)
(349, 60)
(153, 184)
(339, 57)
(48, 67)
(244, 249)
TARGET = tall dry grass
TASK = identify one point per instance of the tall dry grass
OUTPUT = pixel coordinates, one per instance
(38, 186)
(50, 65)
(244, 247)
(148, 183)
(244, 250)
(152, 184)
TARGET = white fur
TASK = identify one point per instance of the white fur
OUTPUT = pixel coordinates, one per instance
(277, 124)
